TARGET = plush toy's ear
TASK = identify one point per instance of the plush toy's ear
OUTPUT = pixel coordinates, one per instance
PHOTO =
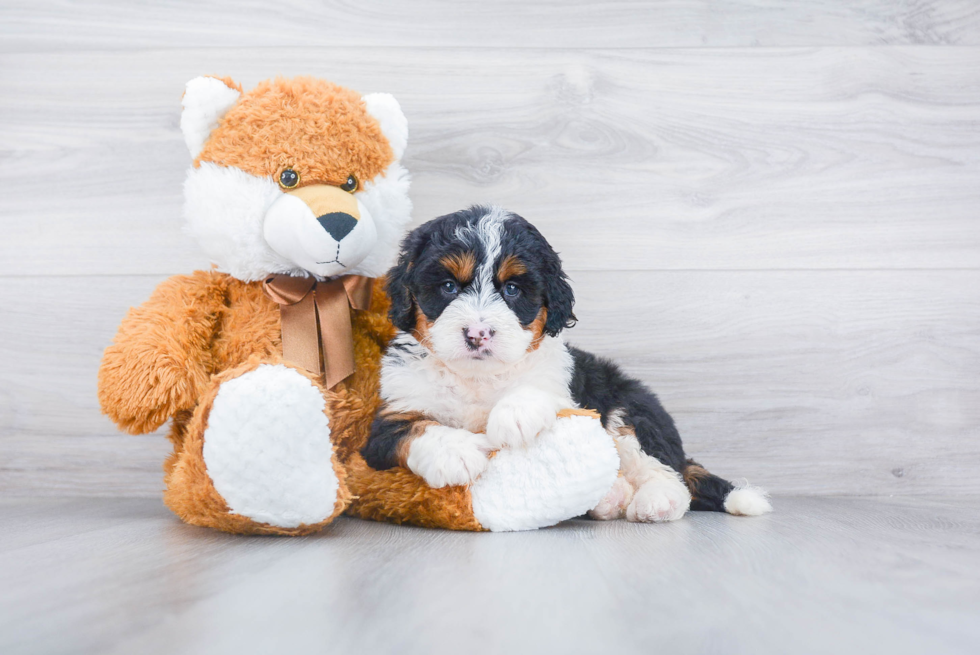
(394, 125)
(205, 101)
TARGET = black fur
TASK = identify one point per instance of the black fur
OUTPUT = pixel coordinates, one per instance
(545, 280)
(381, 450)
(413, 283)
(599, 384)
(708, 493)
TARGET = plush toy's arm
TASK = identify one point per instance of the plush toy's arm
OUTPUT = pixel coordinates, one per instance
(159, 362)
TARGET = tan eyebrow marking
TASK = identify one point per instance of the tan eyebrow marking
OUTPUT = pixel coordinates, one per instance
(510, 267)
(461, 265)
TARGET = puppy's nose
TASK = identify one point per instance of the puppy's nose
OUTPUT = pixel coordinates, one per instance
(477, 335)
(337, 224)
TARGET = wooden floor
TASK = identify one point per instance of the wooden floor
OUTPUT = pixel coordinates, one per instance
(820, 575)
(770, 211)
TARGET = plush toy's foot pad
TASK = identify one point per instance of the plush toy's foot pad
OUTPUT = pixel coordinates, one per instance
(267, 448)
(561, 474)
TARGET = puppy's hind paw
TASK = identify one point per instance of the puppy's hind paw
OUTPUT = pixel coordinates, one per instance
(658, 501)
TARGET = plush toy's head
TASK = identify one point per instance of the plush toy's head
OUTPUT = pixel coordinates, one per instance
(297, 176)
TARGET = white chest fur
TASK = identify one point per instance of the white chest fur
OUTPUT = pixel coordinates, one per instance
(413, 380)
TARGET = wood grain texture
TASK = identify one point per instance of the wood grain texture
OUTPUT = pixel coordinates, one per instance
(60, 25)
(827, 382)
(627, 159)
(836, 381)
(770, 209)
(820, 575)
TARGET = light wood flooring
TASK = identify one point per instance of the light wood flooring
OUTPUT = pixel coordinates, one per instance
(820, 575)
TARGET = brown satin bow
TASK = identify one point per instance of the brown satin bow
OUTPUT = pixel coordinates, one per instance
(316, 321)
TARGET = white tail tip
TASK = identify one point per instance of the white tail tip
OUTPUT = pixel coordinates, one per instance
(748, 501)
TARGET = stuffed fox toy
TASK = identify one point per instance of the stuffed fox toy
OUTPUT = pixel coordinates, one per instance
(267, 366)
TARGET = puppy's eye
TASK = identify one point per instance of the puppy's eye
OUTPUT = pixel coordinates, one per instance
(449, 288)
(288, 179)
(350, 186)
(511, 290)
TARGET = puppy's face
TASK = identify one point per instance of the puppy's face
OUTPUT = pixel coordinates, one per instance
(480, 289)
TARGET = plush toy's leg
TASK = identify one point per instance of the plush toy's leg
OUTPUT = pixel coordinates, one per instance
(256, 456)
(563, 473)
(399, 496)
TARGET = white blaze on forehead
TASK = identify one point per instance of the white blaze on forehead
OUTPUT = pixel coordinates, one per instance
(487, 232)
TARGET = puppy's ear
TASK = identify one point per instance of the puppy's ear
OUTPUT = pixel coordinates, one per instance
(402, 310)
(560, 301)
(560, 298)
(398, 283)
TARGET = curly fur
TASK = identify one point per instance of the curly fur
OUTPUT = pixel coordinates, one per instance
(322, 131)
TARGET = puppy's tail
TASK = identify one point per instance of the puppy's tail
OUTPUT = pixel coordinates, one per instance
(709, 493)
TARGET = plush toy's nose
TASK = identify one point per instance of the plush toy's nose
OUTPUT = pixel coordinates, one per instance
(338, 224)
(335, 209)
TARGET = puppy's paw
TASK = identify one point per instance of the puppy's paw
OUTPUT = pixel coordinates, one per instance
(445, 456)
(614, 504)
(520, 416)
(659, 500)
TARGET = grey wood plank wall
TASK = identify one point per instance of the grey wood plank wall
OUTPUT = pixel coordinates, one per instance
(770, 210)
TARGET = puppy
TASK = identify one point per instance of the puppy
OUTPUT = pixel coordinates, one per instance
(479, 364)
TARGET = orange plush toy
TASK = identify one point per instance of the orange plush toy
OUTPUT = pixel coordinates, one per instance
(267, 365)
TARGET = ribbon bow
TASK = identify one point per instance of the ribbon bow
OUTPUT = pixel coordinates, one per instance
(316, 321)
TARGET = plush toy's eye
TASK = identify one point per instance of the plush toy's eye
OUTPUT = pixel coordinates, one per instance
(511, 290)
(288, 179)
(449, 288)
(350, 185)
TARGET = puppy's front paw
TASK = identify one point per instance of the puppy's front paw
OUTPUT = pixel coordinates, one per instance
(445, 456)
(659, 500)
(519, 417)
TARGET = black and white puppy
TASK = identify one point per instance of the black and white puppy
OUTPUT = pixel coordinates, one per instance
(480, 299)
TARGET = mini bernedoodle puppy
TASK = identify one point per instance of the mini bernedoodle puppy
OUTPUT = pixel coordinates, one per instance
(479, 364)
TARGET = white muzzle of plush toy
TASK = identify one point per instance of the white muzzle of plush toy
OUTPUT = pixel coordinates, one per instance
(321, 229)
